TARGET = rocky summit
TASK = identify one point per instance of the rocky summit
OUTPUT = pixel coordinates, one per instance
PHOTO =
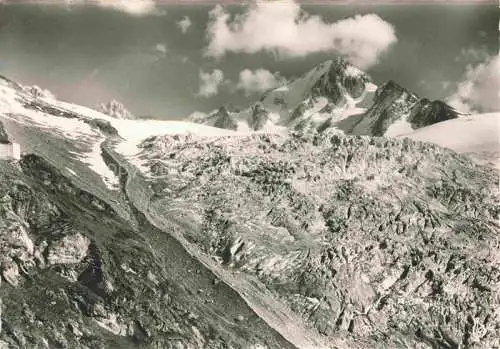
(115, 109)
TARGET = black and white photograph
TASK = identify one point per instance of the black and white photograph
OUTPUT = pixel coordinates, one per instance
(259, 174)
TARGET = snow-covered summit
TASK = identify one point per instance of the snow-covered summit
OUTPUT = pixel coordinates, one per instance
(333, 89)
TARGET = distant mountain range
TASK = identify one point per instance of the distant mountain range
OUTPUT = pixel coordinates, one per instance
(337, 95)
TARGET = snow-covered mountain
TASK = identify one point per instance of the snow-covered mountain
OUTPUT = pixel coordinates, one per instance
(396, 110)
(333, 90)
(335, 94)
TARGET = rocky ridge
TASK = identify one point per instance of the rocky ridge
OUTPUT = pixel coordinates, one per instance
(115, 109)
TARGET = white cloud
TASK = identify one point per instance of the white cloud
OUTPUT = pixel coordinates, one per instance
(210, 82)
(184, 24)
(133, 7)
(259, 80)
(162, 49)
(473, 55)
(281, 27)
(479, 91)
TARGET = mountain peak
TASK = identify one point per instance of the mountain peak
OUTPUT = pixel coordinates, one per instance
(393, 103)
(341, 77)
(223, 119)
(115, 109)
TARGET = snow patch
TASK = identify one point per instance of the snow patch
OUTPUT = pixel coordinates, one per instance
(475, 135)
(353, 71)
(371, 87)
(96, 163)
(399, 127)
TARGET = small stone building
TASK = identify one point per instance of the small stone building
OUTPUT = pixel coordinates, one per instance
(10, 151)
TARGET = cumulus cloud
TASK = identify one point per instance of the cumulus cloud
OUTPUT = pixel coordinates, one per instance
(259, 80)
(479, 91)
(281, 27)
(161, 48)
(210, 83)
(184, 24)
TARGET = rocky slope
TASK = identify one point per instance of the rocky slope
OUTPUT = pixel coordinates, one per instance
(81, 266)
(77, 275)
(4, 137)
(374, 242)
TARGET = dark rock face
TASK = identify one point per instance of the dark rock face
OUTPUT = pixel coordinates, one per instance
(393, 102)
(103, 125)
(40, 105)
(375, 242)
(259, 116)
(223, 119)
(338, 79)
(4, 137)
(427, 113)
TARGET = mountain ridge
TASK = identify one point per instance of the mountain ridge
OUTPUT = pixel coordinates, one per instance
(335, 94)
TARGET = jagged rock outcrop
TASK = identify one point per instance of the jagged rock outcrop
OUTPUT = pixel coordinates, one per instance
(340, 77)
(71, 249)
(4, 137)
(426, 113)
(222, 119)
(115, 109)
(260, 116)
(374, 242)
(394, 103)
(38, 92)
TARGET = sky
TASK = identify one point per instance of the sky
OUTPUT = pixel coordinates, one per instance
(169, 60)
